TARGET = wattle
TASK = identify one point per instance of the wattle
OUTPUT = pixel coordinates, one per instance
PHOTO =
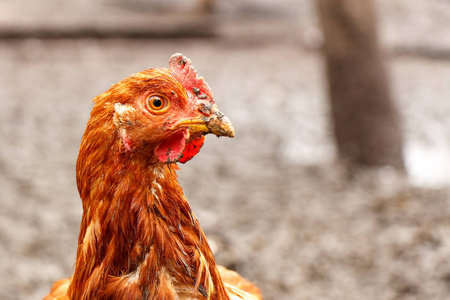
(171, 149)
(192, 148)
(176, 148)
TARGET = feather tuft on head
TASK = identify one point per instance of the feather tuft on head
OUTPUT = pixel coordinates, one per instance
(196, 87)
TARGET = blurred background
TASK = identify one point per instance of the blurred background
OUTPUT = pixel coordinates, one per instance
(336, 184)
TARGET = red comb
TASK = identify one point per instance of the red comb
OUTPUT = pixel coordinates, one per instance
(196, 86)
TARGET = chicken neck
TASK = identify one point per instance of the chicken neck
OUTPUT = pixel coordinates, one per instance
(139, 238)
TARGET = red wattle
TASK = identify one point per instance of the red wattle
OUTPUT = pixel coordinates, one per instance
(192, 148)
(172, 148)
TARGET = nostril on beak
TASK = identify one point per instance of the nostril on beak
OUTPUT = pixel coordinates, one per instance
(219, 124)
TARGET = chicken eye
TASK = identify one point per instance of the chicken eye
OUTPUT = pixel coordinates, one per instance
(157, 103)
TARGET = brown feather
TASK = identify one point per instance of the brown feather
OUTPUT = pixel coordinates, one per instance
(138, 236)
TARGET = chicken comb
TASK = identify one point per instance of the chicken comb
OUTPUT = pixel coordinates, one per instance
(196, 86)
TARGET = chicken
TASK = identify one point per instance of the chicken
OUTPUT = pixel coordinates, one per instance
(139, 238)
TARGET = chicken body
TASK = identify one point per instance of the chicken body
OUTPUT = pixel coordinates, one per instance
(139, 238)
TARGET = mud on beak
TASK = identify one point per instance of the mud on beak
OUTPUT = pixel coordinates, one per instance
(216, 123)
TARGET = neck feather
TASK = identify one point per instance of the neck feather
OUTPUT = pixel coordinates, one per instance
(139, 238)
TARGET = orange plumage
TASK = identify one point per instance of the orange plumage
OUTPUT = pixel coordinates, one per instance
(139, 238)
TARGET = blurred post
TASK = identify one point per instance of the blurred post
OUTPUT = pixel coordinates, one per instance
(206, 6)
(366, 124)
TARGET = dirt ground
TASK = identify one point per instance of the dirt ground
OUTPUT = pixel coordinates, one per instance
(273, 202)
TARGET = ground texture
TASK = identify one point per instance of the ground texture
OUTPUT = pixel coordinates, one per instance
(273, 202)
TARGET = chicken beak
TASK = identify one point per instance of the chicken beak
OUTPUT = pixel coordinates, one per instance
(216, 123)
(219, 124)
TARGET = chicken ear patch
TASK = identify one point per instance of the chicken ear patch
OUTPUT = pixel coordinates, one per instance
(123, 113)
